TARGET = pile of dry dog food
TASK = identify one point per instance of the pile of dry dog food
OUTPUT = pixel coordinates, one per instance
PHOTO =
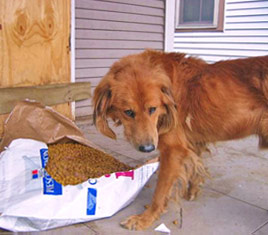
(72, 163)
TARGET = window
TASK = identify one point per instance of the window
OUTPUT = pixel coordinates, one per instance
(199, 15)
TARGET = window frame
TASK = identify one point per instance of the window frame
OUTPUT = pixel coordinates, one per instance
(217, 23)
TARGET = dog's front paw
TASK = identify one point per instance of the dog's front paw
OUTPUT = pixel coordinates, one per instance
(137, 222)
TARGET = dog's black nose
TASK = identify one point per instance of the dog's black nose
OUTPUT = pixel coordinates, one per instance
(147, 148)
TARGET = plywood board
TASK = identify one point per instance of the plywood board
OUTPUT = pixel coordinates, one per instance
(34, 44)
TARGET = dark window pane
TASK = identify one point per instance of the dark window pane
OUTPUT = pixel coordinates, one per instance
(191, 10)
(207, 12)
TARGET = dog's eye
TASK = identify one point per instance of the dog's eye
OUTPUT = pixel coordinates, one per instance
(130, 113)
(152, 110)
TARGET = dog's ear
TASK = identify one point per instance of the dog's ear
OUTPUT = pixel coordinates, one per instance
(170, 119)
(102, 106)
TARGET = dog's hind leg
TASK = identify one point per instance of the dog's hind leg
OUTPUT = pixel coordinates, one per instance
(263, 131)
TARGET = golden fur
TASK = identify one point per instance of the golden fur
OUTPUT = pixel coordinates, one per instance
(178, 104)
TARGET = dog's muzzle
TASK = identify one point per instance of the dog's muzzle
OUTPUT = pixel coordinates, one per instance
(147, 148)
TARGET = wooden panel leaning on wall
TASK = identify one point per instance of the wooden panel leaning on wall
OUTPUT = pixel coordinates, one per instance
(34, 45)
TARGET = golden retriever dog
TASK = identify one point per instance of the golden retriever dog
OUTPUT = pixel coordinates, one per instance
(177, 104)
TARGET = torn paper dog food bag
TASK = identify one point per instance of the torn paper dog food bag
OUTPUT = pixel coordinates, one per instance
(31, 200)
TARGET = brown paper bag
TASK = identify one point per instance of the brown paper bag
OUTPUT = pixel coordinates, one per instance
(32, 120)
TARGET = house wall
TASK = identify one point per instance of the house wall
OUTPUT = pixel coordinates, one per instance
(107, 30)
(245, 34)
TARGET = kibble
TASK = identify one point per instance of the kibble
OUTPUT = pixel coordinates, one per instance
(72, 163)
(175, 222)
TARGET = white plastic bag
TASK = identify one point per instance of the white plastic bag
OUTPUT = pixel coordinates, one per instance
(30, 200)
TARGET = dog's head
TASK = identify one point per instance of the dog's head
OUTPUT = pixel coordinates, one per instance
(138, 95)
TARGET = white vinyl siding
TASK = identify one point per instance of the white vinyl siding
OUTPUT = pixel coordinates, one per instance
(245, 34)
(106, 30)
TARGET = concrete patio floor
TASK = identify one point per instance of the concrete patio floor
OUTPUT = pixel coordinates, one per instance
(234, 200)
